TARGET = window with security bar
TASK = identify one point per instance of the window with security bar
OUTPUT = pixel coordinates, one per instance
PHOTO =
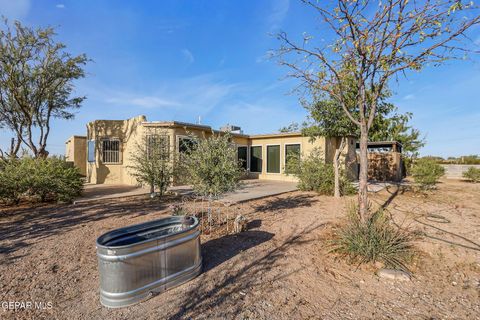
(111, 151)
(157, 146)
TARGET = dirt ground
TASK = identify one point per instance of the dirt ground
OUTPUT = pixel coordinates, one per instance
(280, 268)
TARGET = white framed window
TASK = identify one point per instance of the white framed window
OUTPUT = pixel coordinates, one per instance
(293, 149)
(273, 158)
(158, 144)
(185, 144)
(111, 150)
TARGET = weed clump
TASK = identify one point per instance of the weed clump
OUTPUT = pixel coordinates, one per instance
(376, 239)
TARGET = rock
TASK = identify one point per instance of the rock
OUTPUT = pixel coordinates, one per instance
(393, 274)
(240, 224)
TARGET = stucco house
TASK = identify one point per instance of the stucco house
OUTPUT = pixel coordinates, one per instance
(104, 153)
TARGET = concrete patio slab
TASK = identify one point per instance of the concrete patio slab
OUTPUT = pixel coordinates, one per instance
(248, 190)
(257, 189)
(95, 192)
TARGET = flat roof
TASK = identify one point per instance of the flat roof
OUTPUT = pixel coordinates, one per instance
(382, 144)
(206, 127)
(180, 124)
(280, 134)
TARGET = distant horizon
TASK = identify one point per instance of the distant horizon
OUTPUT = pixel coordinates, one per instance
(178, 60)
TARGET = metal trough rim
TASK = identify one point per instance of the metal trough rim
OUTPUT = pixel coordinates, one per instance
(178, 218)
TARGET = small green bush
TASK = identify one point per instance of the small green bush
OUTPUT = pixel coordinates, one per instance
(375, 240)
(55, 180)
(211, 166)
(472, 174)
(153, 160)
(426, 173)
(42, 180)
(14, 180)
(315, 175)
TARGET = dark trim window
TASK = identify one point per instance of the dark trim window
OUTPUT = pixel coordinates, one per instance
(91, 151)
(158, 144)
(256, 159)
(185, 144)
(111, 151)
(242, 156)
(292, 151)
(273, 159)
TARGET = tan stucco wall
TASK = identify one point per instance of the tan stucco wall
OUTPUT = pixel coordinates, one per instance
(130, 132)
(127, 132)
(75, 151)
(306, 146)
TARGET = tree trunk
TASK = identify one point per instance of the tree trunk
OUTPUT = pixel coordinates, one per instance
(363, 175)
(152, 189)
(336, 167)
(14, 147)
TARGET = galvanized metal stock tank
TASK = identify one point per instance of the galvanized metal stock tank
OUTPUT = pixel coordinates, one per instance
(139, 260)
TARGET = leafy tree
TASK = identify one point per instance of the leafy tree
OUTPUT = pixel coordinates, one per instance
(316, 175)
(292, 127)
(212, 167)
(394, 127)
(36, 85)
(153, 162)
(373, 43)
(328, 119)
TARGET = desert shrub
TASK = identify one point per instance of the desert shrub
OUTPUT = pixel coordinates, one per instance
(153, 160)
(426, 173)
(50, 179)
(375, 240)
(14, 180)
(212, 166)
(315, 175)
(472, 174)
(54, 179)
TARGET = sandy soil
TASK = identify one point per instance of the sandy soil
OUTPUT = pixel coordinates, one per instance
(279, 269)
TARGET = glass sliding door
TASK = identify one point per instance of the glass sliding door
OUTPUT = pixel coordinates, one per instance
(242, 156)
(273, 159)
(256, 159)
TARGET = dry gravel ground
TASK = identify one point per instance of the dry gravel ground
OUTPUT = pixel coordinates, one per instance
(279, 269)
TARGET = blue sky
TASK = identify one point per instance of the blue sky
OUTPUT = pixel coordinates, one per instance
(178, 60)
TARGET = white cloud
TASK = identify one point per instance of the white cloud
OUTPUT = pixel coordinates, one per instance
(187, 54)
(278, 14)
(14, 9)
(197, 95)
(142, 101)
(60, 6)
(409, 97)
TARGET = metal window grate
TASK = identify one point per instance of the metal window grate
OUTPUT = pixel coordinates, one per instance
(111, 151)
(157, 146)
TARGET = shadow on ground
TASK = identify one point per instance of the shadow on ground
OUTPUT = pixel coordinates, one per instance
(217, 251)
(423, 217)
(238, 278)
(291, 202)
(20, 228)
